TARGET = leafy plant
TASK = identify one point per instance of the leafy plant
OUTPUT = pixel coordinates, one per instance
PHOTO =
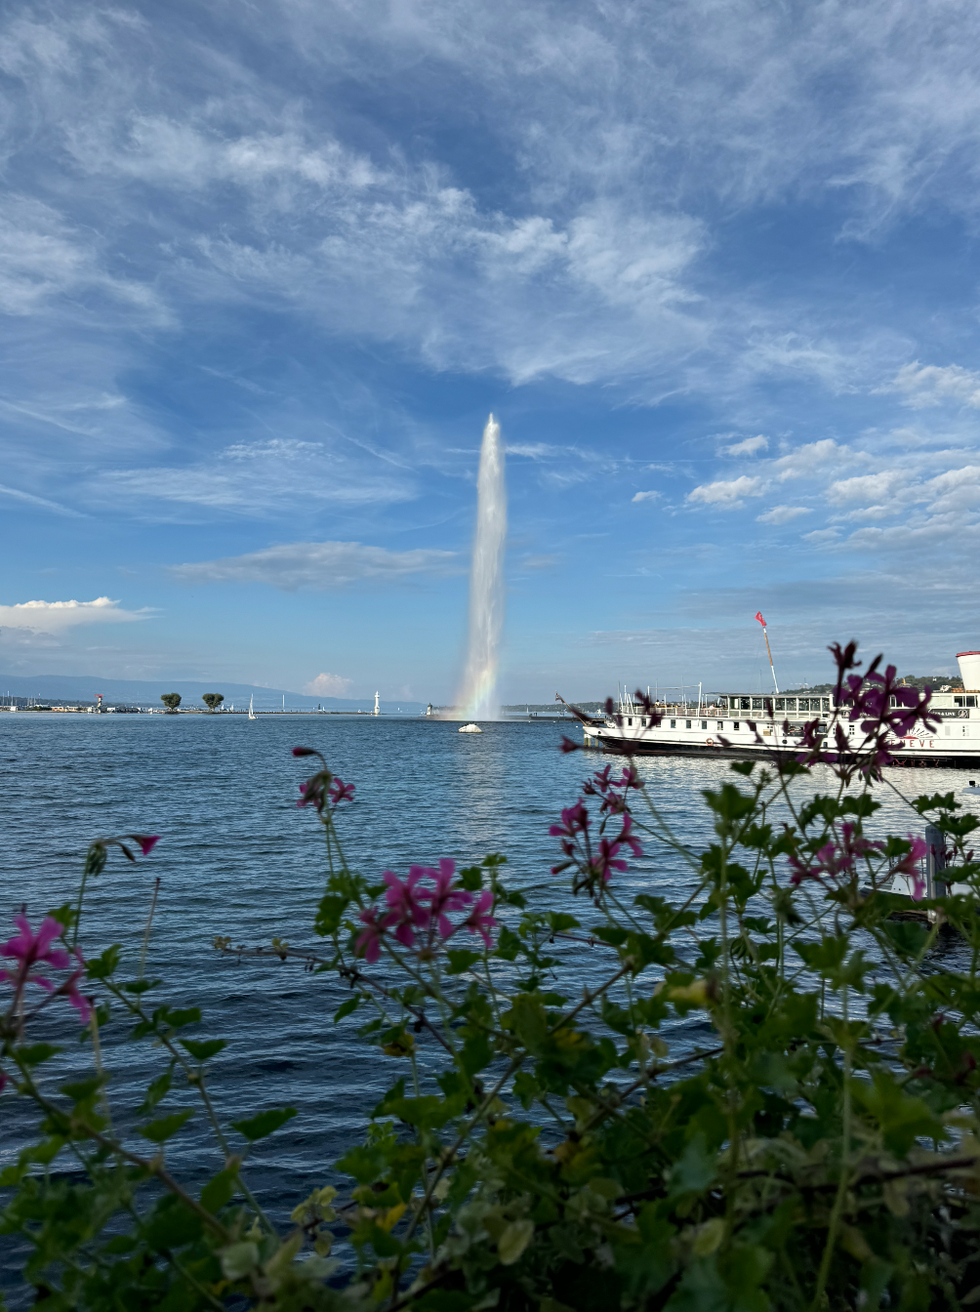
(547, 1146)
(171, 700)
(212, 700)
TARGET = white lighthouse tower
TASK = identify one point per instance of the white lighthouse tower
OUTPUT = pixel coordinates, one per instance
(377, 704)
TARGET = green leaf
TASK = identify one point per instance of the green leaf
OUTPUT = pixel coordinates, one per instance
(471, 879)
(461, 959)
(330, 914)
(908, 937)
(266, 1123)
(166, 1127)
(203, 1049)
(514, 1240)
(104, 965)
(82, 1090)
(695, 1170)
(218, 1191)
(347, 1007)
(157, 1090)
(141, 986)
(37, 1052)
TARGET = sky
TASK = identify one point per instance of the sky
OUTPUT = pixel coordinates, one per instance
(265, 269)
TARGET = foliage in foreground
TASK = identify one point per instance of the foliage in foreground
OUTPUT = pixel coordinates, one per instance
(544, 1146)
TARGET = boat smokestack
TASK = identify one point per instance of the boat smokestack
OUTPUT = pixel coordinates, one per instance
(969, 663)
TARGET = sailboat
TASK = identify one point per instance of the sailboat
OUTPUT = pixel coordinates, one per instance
(251, 708)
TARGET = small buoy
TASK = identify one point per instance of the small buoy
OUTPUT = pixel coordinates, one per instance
(469, 728)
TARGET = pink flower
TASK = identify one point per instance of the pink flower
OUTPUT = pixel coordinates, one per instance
(145, 842)
(627, 837)
(480, 921)
(312, 792)
(407, 911)
(305, 751)
(368, 943)
(444, 898)
(32, 950)
(341, 792)
(574, 820)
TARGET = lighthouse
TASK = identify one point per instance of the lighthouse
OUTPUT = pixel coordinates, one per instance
(377, 704)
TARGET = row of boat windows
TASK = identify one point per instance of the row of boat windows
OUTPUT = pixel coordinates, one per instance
(778, 703)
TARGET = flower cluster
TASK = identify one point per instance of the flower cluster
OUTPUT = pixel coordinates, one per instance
(885, 710)
(837, 861)
(323, 787)
(32, 950)
(596, 861)
(414, 910)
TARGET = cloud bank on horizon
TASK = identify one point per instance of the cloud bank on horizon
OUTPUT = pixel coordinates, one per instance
(264, 273)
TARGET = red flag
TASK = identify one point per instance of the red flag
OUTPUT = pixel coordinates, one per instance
(758, 616)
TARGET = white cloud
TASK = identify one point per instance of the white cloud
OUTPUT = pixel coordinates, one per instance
(255, 477)
(646, 496)
(869, 487)
(55, 616)
(320, 565)
(727, 494)
(328, 685)
(930, 385)
(782, 514)
(822, 536)
(749, 447)
(813, 458)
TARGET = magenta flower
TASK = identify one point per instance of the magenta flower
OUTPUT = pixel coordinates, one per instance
(574, 821)
(30, 950)
(480, 921)
(626, 836)
(368, 943)
(312, 793)
(407, 911)
(444, 898)
(145, 842)
(341, 792)
(305, 751)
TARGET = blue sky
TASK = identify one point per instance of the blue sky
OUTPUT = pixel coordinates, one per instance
(265, 269)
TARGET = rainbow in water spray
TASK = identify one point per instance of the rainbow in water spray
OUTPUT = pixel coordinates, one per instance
(478, 697)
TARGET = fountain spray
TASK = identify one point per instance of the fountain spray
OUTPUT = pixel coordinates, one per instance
(477, 700)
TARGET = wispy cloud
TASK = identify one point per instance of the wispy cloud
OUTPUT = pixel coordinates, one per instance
(646, 496)
(750, 446)
(56, 616)
(780, 515)
(727, 494)
(321, 566)
(925, 385)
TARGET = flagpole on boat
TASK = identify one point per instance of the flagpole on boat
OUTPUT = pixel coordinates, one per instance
(765, 634)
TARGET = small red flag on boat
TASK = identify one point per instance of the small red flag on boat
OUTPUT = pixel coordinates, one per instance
(758, 616)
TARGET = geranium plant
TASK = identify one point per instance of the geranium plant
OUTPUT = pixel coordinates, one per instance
(542, 1145)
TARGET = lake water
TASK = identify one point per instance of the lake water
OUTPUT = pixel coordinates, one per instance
(236, 857)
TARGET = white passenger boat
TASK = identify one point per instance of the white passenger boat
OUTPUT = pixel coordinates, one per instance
(743, 719)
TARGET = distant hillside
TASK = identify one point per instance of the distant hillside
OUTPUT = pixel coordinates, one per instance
(934, 681)
(146, 692)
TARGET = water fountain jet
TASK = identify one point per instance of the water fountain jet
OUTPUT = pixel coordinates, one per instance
(478, 697)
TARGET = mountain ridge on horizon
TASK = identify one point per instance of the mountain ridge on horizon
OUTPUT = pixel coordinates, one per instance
(147, 692)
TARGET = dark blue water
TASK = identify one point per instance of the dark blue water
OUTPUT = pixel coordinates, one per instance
(237, 858)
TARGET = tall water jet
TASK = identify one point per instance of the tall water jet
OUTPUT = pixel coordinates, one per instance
(477, 699)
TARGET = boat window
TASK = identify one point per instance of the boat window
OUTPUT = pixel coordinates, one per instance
(757, 703)
(630, 721)
(971, 701)
(780, 703)
(734, 724)
(704, 724)
(791, 703)
(721, 724)
(687, 724)
(673, 724)
(745, 704)
(826, 703)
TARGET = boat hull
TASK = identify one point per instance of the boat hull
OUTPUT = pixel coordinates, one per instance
(913, 753)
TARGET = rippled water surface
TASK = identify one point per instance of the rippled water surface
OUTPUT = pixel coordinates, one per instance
(236, 857)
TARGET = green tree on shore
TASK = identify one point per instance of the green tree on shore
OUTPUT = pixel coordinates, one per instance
(212, 700)
(171, 700)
